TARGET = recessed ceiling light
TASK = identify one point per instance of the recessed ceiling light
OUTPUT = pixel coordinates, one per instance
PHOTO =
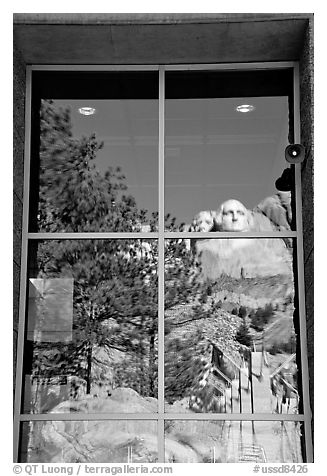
(245, 108)
(87, 111)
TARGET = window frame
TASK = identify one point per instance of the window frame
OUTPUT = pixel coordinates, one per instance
(160, 417)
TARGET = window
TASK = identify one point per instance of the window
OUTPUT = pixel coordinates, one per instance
(162, 312)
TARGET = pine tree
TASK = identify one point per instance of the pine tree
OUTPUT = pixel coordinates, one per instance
(243, 335)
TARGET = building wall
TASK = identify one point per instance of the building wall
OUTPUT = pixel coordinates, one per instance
(306, 78)
(306, 106)
(18, 172)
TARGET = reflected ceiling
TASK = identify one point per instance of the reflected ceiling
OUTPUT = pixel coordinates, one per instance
(213, 152)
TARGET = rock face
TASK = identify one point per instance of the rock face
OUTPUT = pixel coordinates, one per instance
(243, 258)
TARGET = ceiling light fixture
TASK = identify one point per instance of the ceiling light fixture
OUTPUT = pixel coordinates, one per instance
(87, 111)
(245, 108)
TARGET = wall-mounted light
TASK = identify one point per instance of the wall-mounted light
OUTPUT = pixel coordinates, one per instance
(87, 111)
(245, 108)
(295, 153)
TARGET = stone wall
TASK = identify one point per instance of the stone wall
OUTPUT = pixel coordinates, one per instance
(306, 92)
(18, 185)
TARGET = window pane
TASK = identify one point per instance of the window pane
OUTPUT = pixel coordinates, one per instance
(231, 326)
(222, 145)
(233, 442)
(95, 158)
(91, 327)
(117, 441)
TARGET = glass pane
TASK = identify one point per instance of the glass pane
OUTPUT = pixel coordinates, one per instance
(95, 160)
(222, 146)
(231, 326)
(232, 442)
(117, 441)
(91, 327)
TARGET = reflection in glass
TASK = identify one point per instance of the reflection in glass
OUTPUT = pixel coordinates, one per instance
(214, 153)
(117, 441)
(232, 442)
(230, 342)
(96, 172)
(91, 327)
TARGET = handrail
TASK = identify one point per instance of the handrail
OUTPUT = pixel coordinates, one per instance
(223, 375)
(289, 359)
(231, 360)
(290, 386)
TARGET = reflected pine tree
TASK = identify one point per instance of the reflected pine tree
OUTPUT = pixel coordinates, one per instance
(73, 195)
(115, 281)
(114, 335)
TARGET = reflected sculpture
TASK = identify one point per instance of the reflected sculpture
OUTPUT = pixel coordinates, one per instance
(204, 221)
(233, 216)
(248, 257)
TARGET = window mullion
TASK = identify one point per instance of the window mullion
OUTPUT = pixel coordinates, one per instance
(23, 273)
(280, 417)
(161, 270)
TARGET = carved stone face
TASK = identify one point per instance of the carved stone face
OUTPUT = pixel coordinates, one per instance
(234, 216)
(203, 221)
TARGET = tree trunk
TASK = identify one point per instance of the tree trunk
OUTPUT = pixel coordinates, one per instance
(152, 361)
(89, 369)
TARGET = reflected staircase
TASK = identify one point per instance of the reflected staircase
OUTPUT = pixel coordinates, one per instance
(249, 391)
(251, 454)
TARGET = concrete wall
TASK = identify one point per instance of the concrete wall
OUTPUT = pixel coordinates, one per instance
(18, 172)
(306, 87)
(158, 39)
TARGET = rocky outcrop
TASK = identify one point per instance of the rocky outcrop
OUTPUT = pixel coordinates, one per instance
(97, 441)
(277, 209)
(243, 258)
(121, 400)
(111, 441)
(136, 441)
